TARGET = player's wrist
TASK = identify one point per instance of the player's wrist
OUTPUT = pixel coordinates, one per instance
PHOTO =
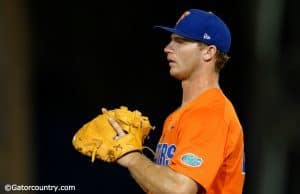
(129, 159)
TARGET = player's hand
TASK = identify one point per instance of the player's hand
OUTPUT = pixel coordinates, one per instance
(123, 161)
(115, 125)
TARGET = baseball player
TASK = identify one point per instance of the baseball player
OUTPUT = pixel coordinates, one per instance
(201, 148)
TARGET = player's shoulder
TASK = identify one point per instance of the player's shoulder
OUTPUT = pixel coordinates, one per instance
(214, 100)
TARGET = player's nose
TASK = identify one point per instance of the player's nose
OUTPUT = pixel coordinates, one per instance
(168, 48)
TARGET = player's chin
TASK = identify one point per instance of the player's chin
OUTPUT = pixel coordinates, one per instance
(175, 74)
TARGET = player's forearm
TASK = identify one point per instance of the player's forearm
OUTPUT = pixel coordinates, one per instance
(154, 178)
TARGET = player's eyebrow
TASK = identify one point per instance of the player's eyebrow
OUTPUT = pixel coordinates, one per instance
(180, 38)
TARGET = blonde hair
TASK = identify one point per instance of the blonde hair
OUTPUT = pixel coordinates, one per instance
(221, 60)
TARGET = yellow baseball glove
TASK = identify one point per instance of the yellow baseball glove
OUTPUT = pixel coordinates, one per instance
(97, 138)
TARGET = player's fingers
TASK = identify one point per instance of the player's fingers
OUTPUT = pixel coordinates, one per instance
(104, 110)
(117, 127)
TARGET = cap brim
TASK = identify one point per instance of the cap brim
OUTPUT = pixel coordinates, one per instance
(180, 33)
(166, 28)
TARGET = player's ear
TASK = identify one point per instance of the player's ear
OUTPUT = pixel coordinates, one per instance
(209, 52)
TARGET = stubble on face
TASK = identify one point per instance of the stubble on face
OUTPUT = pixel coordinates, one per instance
(185, 62)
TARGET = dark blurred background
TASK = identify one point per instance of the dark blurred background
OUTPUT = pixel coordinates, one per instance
(61, 61)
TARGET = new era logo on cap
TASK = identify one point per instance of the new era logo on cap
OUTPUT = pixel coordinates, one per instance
(202, 26)
(206, 36)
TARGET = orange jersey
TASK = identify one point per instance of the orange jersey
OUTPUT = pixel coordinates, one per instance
(204, 141)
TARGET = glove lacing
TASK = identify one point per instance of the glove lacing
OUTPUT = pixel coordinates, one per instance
(148, 148)
(97, 144)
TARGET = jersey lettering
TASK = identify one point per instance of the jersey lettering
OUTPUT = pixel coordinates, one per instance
(164, 153)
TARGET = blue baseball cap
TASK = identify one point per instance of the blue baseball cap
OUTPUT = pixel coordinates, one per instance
(202, 26)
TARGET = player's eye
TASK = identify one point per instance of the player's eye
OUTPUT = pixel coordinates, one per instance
(182, 40)
(179, 40)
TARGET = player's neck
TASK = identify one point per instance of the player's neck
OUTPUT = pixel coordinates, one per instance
(193, 88)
